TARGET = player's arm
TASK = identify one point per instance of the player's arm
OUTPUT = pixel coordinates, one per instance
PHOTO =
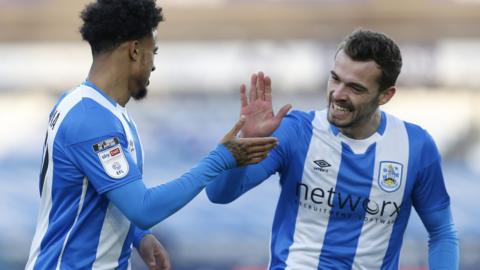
(432, 203)
(443, 251)
(110, 169)
(146, 207)
(231, 184)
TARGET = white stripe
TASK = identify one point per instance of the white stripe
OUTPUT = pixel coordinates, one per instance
(311, 225)
(139, 142)
(80, 207)
(46, 199)
(112, 237)
(374, 237)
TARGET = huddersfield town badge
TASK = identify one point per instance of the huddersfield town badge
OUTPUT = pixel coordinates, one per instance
(390, 175)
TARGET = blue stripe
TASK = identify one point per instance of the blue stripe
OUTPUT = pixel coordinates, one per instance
(383, 123)
(353, 187)
(81, 249)
(283, 227)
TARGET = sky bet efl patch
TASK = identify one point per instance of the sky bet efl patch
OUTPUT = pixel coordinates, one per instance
(112, 157)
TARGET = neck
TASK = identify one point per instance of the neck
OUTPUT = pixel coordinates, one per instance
(363, 129)
(109, 76)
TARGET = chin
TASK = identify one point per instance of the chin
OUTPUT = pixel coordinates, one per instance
(140, 94)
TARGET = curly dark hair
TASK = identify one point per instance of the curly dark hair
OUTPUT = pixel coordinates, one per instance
(108, 23)
(365, 45)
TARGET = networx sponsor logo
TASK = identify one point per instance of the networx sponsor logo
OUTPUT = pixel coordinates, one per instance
(344, 205)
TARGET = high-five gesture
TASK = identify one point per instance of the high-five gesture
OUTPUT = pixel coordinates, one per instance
(247, 150)
(260, 121)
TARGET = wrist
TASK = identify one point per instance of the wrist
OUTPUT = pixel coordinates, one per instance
(227, 156)
(138, 235)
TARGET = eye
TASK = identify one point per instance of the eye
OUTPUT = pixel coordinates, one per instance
(358, 89)
(334, 77)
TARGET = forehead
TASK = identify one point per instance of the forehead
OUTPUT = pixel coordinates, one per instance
(363, 72)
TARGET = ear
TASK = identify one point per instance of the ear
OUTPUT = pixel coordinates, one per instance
(133, 50)
(386, 95)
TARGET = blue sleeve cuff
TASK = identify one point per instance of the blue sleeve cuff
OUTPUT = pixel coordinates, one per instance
(443, 250)
(138, 235)
(226, 156)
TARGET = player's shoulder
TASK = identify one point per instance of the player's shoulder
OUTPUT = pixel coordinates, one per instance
(88, 117)
(419, 138)
(300, 116)
(414, 131)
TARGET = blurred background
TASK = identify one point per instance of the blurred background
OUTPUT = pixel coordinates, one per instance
(207, 48)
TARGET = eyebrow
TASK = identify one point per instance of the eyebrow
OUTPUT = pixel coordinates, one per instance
(351, 84)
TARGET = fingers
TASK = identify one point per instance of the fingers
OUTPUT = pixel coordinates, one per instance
(252, 142)
(255, 151)
(282, 112)
(250, 150)
(267, 96)
(163, 261)
(253, 88)
(261, 86)
(243, 96)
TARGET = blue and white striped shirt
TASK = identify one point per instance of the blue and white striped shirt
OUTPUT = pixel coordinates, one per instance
(344, 203)
(92, 146)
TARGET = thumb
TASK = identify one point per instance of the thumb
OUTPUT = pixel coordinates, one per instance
(282, 112)
(238, 126)
(234, 131)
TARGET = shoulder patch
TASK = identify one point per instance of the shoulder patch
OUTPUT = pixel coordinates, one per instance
(105, 144)
(111, 156)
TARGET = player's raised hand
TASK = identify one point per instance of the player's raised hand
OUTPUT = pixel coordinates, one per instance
(247, 150)
(260, 121)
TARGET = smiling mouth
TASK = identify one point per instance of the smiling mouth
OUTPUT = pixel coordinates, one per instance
(338, 108)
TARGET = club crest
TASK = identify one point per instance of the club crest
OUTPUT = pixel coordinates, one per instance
(390, 175)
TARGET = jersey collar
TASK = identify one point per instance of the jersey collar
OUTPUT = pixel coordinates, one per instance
(96, 88)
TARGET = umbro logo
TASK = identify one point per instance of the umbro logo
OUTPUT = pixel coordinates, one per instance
(322, 165)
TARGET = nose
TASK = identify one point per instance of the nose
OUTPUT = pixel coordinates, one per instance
(338, 92)
(153, 68)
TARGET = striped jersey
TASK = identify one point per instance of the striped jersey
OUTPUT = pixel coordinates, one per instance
(91, 147)
(345, 203)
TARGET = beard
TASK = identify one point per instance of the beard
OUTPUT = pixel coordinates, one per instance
(360, 114)
(140, 94)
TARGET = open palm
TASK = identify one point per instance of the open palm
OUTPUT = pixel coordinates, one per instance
(260, 121)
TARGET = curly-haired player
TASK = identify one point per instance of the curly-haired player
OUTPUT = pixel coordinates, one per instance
(94, 205)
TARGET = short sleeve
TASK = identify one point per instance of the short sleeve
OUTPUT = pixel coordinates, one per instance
(96, 143)
(105, 161)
